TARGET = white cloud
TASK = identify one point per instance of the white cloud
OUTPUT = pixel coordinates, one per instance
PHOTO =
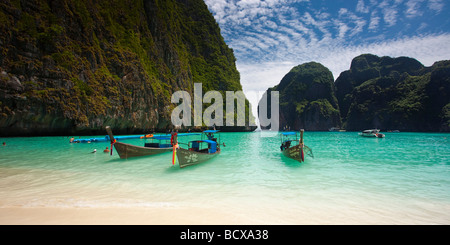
(351, 18)
(343, 28)
(361, 7)
(373, 3)
(383, 4)
(245, 11)
(413, 8)
(374, 21)
(390, 16)
(436, 5)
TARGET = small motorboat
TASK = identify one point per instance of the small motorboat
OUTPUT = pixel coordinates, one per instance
(372, 133)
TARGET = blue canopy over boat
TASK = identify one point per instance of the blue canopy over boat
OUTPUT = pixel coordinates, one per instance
(211, 131)
(105, 139)
(212, 145)
(207, 141)
(160, 137)
(188, 134)
(119, 138)
(288, 133)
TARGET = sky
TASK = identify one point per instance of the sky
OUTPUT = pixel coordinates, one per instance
(270, 37)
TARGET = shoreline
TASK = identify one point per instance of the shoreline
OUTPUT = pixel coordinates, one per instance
(199, 216)
(16, 132)
(161, 132)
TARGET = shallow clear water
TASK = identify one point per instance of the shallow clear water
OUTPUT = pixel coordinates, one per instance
(401, 179)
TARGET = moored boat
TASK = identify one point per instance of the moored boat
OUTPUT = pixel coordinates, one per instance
(107, 138)
(127, 150)
(372, 133)
(199, 151)
(294, 148)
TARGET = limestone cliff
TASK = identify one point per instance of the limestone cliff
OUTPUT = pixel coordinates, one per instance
(74, 66)
(377, 92)
(395, 94)
(307, 99)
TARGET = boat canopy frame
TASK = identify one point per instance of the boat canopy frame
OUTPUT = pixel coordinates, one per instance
(213, 143)
(287, 137)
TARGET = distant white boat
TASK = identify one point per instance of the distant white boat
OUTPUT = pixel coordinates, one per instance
(372, 133)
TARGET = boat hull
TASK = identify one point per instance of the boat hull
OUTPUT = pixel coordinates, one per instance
(294, 152)
(368, 135)
(126, 150)
(188, 158)
(372, 135)
(298, 153)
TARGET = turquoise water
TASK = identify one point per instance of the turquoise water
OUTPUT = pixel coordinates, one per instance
(401, 179)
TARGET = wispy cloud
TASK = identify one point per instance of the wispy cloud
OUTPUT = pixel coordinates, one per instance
(361, 7)
(390, 16)
(357, 22)
(374, 21)
(436, 5)
(413, 8)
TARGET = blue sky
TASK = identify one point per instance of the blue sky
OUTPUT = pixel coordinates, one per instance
(269, 37)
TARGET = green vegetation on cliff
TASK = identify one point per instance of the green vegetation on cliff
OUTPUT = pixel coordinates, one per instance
(394, 93)
(84, 64)
(307, 98)
(377, 92)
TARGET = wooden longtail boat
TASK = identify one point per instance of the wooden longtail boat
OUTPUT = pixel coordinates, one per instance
(127, 150)
(294, 149)
(196, 153)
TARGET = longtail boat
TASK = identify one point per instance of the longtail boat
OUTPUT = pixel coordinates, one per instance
(294, 148)
(127, 150)
(199, 151)
(107, 138)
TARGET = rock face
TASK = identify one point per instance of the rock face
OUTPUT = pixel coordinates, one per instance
(377, 92)
(307, 98)
(394, 93)
(74, 66)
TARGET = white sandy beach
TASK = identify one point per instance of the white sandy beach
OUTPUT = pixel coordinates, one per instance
(202, 216)
(108, 216)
